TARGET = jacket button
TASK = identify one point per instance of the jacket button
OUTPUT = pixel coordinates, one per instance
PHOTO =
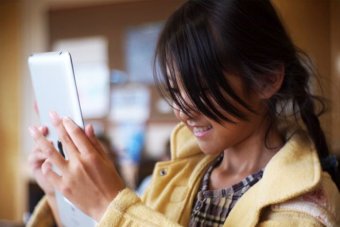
(162, 172)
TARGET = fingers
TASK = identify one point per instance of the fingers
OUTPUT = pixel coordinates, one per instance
(36, 158)
(77, 135)
(47, 148)
(52, 177)
(43, 130)
(89, 131)
(92, 137)
(67, 143)
(38, 137)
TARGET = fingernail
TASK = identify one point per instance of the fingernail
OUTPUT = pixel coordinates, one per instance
(68, 123)
(54, 117)
(91, 129)
(33, 130)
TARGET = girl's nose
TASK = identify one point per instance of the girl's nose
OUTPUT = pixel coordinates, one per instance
(183, 116)
(180, 113)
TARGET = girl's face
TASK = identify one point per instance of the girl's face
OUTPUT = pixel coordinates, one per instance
(214, 137)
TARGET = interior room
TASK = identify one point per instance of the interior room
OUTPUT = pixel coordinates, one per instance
(115, 40)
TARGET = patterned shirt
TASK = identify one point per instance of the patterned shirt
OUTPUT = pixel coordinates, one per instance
(213, 206)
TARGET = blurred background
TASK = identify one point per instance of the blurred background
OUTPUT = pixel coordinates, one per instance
(112, 44)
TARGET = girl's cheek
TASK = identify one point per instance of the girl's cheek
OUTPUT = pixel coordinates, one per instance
(176, 111)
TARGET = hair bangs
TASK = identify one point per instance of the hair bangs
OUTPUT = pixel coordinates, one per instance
(189, 63)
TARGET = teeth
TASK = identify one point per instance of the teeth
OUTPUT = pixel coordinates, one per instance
(201, 129)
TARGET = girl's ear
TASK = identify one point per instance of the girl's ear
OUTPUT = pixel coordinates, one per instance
(272, 83)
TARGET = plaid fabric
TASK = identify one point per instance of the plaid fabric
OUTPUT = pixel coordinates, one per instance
(213, 206)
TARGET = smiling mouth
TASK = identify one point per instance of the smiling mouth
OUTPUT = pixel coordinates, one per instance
(201, 131)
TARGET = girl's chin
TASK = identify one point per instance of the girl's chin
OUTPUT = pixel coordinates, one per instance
(208, 150)
(211, 153)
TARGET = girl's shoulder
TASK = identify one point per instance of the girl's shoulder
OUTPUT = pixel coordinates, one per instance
(321, 203)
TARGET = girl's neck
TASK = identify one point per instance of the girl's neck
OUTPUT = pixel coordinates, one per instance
(252, 154)
(246, 158)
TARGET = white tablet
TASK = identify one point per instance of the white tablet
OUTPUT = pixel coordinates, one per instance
(55, 89)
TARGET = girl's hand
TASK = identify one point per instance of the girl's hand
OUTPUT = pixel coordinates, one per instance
(88, 178)
(35, 161)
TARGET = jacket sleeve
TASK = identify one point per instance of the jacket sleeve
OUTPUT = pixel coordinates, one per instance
(42, 215)
(127, 209)
(289, 218)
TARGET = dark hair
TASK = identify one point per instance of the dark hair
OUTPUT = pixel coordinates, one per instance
(204, 40)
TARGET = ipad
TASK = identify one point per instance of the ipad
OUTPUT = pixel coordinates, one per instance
(55, 89)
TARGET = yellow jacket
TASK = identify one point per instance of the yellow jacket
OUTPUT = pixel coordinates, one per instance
(292, 192)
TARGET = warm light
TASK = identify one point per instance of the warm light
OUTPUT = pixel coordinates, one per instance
(338, 66)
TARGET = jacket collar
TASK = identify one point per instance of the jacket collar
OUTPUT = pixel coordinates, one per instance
(293, 171)
(183, 143)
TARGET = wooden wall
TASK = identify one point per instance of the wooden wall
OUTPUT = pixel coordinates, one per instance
(11, 184)
(335, 74)
(108, 20)
(314, 27)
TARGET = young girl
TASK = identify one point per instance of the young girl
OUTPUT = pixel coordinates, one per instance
(247, 152)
